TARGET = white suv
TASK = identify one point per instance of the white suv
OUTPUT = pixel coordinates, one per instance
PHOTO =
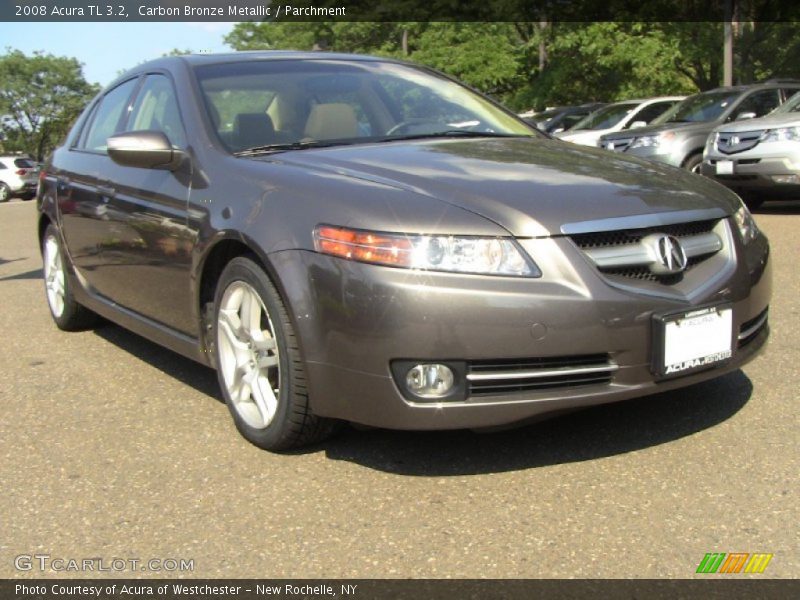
(18, 177)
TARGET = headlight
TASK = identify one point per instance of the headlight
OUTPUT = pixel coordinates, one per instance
(662, 141)
(746, 224)
(461, 254)
(783, 134)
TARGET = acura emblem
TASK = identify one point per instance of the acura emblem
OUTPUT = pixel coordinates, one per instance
(667, 253)
(735, 140)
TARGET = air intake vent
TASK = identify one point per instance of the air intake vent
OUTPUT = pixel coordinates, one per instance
(750, 329)
(497, 377)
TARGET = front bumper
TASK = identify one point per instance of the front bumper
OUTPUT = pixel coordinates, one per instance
(755, 174)
(354, 319)
(674, 158)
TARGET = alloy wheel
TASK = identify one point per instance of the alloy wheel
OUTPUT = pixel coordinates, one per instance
(54, 275)
(248, 355)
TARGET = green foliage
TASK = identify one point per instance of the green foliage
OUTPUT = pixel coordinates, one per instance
(40, 97)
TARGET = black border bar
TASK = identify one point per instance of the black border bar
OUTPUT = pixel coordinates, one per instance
(710, 587)
(395, 10)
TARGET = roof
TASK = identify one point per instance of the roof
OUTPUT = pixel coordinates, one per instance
(259, 55)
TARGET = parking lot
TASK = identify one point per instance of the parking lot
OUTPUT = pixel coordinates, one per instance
(113, 447)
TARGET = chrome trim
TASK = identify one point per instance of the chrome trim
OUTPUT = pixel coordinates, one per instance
(541, 373)
(639, 254)
(644, 221)
(754, 327)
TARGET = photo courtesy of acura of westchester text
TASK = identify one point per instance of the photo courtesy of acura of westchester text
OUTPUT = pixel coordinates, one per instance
(314, 297)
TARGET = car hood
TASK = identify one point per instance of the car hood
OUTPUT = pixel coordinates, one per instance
(585, 138)
(768, 122)
(683, 128)
(530, 187)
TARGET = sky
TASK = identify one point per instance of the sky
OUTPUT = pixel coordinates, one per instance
(105, 49)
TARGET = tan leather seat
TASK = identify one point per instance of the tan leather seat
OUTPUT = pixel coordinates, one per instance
(331, 121)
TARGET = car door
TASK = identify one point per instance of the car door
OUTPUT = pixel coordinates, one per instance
(83, 187)
(147, 257)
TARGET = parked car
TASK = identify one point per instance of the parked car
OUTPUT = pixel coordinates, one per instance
(679, 136)
(619, 116)
(18, 177)
(560, 118)
(362, 239)
(759, 157)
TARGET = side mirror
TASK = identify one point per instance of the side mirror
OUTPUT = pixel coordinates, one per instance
(144, 149)
(745, 115)
(637, 124)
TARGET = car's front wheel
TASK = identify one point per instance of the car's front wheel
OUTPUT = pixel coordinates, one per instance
(259, 367)
(5, 192)
(66, 312)
(694, 164)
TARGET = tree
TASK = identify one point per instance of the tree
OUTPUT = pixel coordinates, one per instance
(40, 97)
(539, 63)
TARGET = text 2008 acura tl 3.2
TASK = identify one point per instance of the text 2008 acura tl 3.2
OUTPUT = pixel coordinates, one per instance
(353, 238)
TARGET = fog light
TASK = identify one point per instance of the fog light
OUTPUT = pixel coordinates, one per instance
(430, 380)
(785, 178)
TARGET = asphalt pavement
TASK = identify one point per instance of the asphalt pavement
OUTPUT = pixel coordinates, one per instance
(114, 448)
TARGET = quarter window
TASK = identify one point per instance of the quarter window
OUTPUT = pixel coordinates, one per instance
(109, 117)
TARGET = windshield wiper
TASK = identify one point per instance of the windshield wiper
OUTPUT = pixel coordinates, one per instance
(452, 133)
(271, 148)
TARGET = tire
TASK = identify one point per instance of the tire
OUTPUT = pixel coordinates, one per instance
(5, 192)
(259, 367)
(66, 312)
(693, 163)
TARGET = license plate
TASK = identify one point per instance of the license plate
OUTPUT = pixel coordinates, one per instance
(694, 340)
(724, 167)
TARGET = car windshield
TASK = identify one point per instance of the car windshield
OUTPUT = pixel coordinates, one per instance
(276, 105)
(790, 106)
(605, 117)
(698, 108)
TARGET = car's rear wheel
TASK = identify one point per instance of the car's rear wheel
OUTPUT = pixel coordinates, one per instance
(5, 192)
(66, 312)
(259, 367)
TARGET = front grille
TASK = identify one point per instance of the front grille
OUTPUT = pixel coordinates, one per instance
(731, 143)
(634, 236)
(750, 329)
(494, 377)
(643, 273)
(627, 254)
